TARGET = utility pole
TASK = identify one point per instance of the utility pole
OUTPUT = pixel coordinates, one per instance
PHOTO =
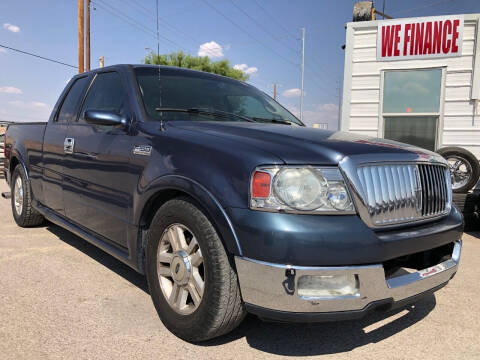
(339, 105)
(87, 29)
(275, 92)
(102, 61)
(303, 73)
(81, 39)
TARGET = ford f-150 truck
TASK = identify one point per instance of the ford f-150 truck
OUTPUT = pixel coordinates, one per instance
(229, 204)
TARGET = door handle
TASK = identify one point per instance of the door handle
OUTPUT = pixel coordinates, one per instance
(68, 145)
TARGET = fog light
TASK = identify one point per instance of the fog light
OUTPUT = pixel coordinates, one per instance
(328, 286)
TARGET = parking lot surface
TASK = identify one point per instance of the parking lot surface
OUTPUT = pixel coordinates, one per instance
(61, 297)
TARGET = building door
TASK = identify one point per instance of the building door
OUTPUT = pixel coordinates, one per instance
(411, 106)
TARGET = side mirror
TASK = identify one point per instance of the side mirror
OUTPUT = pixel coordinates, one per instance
(104, 117)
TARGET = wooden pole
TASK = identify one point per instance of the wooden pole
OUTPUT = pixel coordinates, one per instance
(87, 29)
(274, 91)
(81, 39)
(102, 61)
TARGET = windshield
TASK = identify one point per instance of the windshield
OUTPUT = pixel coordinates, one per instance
(196, 90)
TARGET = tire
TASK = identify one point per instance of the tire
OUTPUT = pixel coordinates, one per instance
(464, 167)
(469, 205)
(23, 212)
(220, 309)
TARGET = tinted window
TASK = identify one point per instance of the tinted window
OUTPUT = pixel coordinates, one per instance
(70, 105)
(249, 106)
(412, 91)
(181, 89)
(415, 130)
(106, 93)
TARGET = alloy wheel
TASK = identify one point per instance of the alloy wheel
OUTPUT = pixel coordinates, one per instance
(180, 269)
(461, 171)
(18, 196)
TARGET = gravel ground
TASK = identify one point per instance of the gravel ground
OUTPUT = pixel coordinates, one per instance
(61, 297)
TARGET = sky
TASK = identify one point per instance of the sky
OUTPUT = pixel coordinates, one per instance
(260, 37)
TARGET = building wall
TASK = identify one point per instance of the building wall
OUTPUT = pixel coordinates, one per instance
(459, 124)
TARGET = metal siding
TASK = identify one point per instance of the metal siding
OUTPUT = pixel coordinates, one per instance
(365, 95)
(364, 90)
(366, 82)
(457, 93)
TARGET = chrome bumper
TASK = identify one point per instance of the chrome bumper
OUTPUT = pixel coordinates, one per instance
(274, 286)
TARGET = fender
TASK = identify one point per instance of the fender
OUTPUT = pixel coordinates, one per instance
(202, 195)
(19, 157)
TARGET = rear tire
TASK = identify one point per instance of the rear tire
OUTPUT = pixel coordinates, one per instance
(464, 167)
(214, 310)
(21, 195)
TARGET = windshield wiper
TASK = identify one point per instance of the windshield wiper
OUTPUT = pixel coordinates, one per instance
(216, 113)
(275, 121)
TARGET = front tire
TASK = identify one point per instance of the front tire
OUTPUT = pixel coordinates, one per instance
(23, 212)
(191, 280)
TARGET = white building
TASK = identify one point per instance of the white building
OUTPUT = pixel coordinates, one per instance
(415, 80)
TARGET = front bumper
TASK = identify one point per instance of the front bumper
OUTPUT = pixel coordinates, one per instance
(271, 290)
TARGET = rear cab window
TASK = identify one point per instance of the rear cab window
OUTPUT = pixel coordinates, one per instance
(72, 100)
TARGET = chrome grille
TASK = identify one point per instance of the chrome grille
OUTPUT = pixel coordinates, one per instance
(400, 193)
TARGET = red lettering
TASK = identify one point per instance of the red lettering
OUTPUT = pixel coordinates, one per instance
(437, 38)
(412, 40)
(419, 39)
(406, 38)
(387, 40)
(447, 30)
(456, 23)
(427, 44)
(396, 52)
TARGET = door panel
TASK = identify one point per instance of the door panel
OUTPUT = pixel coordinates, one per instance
(53, 151)
(98, 185)
(53, 166)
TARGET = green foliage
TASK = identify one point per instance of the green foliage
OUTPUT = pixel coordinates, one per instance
(200, 63)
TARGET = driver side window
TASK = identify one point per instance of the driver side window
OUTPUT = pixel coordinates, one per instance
(106, 93)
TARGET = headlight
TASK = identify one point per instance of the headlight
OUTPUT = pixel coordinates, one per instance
(299, 189)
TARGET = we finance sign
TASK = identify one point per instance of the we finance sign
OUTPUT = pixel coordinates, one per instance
(420, 38)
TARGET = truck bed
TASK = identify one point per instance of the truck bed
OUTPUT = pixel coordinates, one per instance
(27, 137)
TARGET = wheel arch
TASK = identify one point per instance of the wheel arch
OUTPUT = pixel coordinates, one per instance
(169, 187)
(16, 159)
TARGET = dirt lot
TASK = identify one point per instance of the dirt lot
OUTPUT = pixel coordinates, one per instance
(63, 298)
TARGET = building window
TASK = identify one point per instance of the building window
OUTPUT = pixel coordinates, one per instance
(411, 106)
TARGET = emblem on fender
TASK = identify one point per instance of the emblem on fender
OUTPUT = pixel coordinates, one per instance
(145, 150)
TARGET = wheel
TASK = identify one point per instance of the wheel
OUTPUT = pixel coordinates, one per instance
(464, 167)
(469, 205)
(23, 212)
(192, 282)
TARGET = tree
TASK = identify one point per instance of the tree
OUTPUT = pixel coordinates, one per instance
(202, 63)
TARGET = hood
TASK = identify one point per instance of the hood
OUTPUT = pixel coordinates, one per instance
(303, 145)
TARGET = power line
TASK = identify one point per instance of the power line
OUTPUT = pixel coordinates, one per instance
(248, 33)
(274, 37)
(133, 22)
(38, 56)
(153, 33)
(275, 20)
(260, 25)
(173, 28)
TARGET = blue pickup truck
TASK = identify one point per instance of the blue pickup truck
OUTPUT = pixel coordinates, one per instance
(229, 204)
